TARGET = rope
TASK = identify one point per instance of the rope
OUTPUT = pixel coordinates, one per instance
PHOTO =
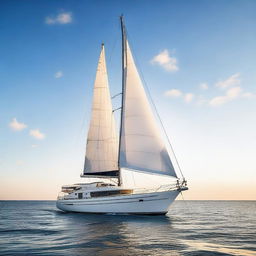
(112, 50)
(187, 206)
(120, 93)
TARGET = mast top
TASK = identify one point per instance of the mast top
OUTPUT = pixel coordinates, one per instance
(122, 23)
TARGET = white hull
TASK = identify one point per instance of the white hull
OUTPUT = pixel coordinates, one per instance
(146, 203)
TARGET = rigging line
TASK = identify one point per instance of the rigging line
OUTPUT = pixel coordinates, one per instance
(116, 109)
(154, 106)
(111, 43)
(187, 206)
(112, 50)
(120, 93)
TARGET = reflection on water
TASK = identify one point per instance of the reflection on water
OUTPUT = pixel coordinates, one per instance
(191, 228)
(211, 247)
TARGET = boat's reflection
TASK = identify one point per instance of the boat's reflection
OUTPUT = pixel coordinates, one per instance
(121, 234)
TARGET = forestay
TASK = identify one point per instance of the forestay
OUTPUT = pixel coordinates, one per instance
(101, 149)
(142, 147)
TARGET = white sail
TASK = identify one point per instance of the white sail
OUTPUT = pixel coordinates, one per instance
(101, 149)
(142, 147)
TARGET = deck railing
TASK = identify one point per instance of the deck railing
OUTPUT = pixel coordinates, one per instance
(162, 188)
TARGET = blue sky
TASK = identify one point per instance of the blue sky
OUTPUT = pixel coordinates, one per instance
(197, 58)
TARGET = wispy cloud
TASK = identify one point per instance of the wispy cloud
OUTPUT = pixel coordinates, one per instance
(174, 93)
(233, 80)
(37, 134)
(231, 94)
(204, 86)
(164, 60)
(189, 97)
(219, 100)
(58, 74)
(17, 126)
(34, 146)
(248, 95)
(61, 18)
(235, 92)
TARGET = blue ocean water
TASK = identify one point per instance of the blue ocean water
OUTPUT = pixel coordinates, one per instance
(191, 228)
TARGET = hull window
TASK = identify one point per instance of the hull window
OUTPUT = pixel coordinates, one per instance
(111, 193)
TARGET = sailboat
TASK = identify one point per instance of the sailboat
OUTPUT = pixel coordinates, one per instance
(138, 154)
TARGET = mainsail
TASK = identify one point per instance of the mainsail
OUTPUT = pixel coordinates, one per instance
(101, 149)
(141, 145)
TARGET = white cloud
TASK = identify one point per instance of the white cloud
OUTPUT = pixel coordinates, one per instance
(219, 100)
(37, 134)
(229, 82)
(16, 126)
(61, 18)
(34, 146)
(58, 74)
(231, 94)
(248, 95)
(204, 86)
(234, 92)
(173, 93)
(164, 60)
(189, 97)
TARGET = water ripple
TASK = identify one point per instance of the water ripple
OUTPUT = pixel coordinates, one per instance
(193, 228)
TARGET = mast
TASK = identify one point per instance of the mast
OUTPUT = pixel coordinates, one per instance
(123, 90)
